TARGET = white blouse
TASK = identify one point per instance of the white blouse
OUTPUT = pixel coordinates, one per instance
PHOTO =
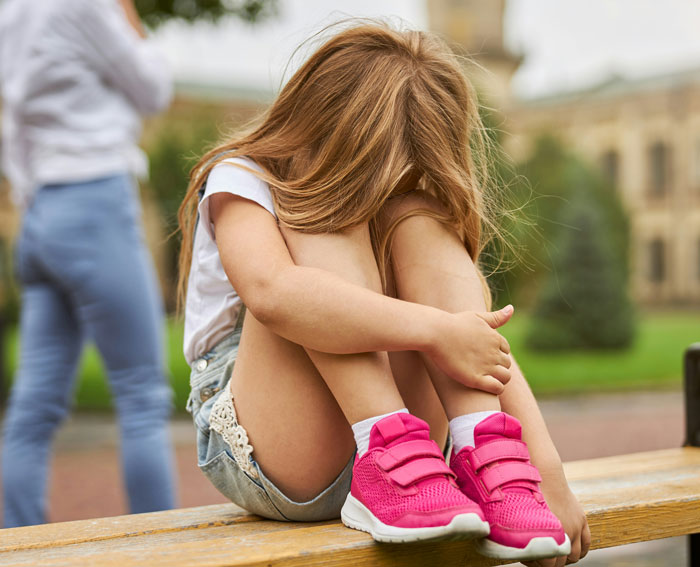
(75, 78)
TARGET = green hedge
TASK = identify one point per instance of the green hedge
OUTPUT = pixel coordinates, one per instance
(654, 359)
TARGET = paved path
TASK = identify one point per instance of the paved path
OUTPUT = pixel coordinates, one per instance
(86, 481)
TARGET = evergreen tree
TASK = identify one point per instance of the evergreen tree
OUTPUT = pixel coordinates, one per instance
(584, 302)
(539, 191)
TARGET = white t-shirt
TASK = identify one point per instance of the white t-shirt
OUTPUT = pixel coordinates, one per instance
(212, 304)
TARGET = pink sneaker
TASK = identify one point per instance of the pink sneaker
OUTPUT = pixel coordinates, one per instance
(402, 490)
(498, 475)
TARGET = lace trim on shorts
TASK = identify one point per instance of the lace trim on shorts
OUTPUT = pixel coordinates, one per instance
(223, 420)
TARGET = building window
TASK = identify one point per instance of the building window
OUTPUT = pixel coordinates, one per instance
(657, 261)
(659, 171)
(609, 163)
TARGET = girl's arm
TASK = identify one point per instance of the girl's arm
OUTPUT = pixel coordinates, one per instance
(323, 312)
(518, 401)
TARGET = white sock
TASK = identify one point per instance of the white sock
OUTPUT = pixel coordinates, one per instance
(361, 430)
(462, 429)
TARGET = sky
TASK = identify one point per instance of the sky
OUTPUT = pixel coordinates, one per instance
(567, 44)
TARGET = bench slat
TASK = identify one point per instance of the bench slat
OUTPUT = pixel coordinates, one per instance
(628, 499)
(623, 465)
(68, 533)
(305, 545)
(638, 497)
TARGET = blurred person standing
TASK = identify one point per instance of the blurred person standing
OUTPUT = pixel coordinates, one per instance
(75, 77)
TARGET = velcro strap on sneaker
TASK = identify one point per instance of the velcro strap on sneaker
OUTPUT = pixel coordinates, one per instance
(391, 427)
(509, 472)
(419, 469)
(398, 455)
(498, 450)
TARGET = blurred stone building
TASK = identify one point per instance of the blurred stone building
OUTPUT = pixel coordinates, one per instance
(475, 28)
(644, 135)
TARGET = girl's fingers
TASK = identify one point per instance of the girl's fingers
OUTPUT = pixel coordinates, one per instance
(505, 345)
(550, 562)
(491, 385)
(575, 554)
(501, 373)
(585, 540)
(504, 360)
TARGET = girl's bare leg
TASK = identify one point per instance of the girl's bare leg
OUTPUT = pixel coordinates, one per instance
(286, 397)
(362, 383)
(431, 266)
(300, 437)
(418, 392)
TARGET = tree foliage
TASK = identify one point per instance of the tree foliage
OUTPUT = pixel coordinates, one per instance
(499, 261)
(537, 192)
(155, 12)
(557, 178)
(583, 300)
(584, 303)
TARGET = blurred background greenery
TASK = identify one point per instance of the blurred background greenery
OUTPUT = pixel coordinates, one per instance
(156, 12)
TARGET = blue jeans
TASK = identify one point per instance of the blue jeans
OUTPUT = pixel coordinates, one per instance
(86, 275)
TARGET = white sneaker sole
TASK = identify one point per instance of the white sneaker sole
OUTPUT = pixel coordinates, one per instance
(355, 515)
(538, 548)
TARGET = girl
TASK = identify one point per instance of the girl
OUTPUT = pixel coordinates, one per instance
(332, 255)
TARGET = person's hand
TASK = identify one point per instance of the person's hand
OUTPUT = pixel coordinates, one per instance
(132, 16)
(468, 349)
(563, 503)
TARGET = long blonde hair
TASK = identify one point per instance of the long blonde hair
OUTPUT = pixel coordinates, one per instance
(370, 108)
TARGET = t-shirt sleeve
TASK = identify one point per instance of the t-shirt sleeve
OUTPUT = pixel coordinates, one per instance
(228, 177)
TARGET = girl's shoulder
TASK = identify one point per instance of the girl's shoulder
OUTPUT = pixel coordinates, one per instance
(241, 162)
(239, 176)
(238, 169)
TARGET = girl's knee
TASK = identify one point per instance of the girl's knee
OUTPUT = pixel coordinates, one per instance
(416, 204)
(347, 253)
(416, 200)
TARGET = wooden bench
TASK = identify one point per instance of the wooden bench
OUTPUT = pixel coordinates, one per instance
(628, 499)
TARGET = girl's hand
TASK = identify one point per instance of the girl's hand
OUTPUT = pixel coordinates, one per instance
(468, 349)
(563, 503)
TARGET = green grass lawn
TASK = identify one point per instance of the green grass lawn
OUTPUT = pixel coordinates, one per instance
(654, 361)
